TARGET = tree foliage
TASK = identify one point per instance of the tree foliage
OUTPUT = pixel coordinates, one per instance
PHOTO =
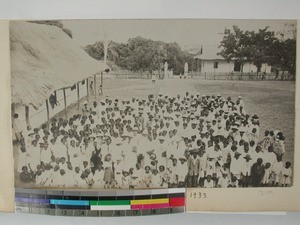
(259, 48)
(141, 54)
(282, 56)
(235, 46)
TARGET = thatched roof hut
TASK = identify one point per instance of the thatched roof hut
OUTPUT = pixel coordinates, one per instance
(45, 59)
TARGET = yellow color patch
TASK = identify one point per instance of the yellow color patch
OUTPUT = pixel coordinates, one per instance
(149, 201)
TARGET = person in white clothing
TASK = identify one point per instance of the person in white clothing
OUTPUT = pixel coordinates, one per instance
(208, 183)
(286, 174)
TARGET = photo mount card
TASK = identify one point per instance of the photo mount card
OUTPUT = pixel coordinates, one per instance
(169, 101)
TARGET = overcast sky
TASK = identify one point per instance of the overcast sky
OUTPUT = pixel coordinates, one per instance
(186, 32)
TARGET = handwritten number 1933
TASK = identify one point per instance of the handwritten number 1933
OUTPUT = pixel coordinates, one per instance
(196, 195)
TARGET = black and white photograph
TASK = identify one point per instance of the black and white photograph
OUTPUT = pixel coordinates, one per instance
(153, 103)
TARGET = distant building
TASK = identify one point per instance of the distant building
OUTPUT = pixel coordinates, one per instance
(210, 63)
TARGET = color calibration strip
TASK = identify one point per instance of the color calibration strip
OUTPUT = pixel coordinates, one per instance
(100, 203)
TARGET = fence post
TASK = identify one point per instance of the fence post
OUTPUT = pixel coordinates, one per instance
(65, 102)
(27, 115)
(87, 89)
(95, 86)
(101, 83)
(78, 96)
(48, 115)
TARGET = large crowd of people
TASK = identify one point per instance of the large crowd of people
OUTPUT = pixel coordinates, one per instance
(162, 141)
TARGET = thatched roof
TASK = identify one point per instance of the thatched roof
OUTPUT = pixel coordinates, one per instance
(45, 59)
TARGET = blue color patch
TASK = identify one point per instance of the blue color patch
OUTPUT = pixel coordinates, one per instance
(69, 202)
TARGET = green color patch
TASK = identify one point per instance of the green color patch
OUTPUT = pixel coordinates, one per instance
(110, 202)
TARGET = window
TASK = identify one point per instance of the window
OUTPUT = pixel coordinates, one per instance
(216, 64)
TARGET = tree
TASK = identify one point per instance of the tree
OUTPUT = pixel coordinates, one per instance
(282, 56)
(141, 54)
(235, 46)
(259, 43)
(259, 48)
(96, 50)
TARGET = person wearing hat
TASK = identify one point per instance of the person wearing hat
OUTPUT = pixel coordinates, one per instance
(33, 157)
(89, 147)
(276, 171)
(108, 171)
(228, 103)
(159, 150)
(202, 166)
(172, 169)
(85, 108)
(235, 134)
(146, 177)
(267, 175)
(182, 172)
(136, 176)
(126, 179)
(286, 174)
(246, 170)
(269, 156)
(266, 140)
(253, 135)
(240, 106)
(236, 164)
(45, 154)
(255, 117)
(279, 145)
(257, 153)
(193, 165)
(225, 152)
(164, 176)
(135, 140)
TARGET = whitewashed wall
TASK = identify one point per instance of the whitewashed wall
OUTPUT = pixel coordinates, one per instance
(228, 67)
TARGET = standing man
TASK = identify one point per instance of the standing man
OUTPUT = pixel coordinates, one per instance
(240, 105)
(257, 173)
(92, 88)
(193, 164)
(17, 127)
(153, 78)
